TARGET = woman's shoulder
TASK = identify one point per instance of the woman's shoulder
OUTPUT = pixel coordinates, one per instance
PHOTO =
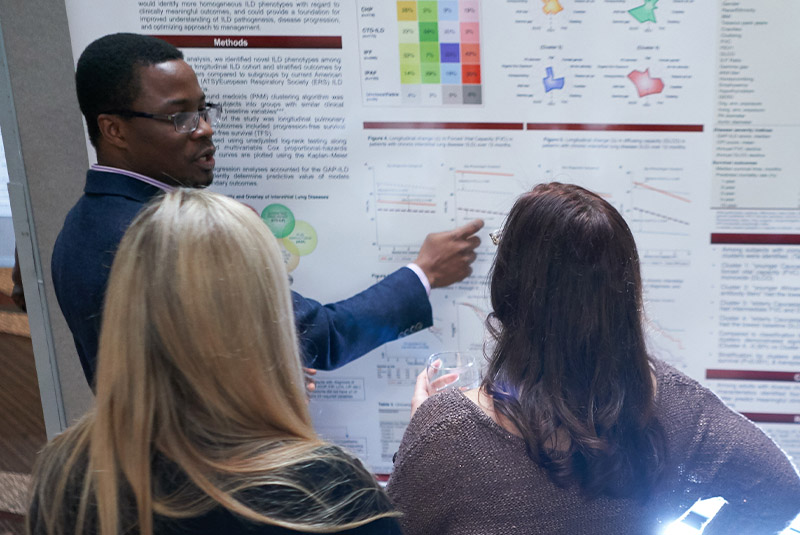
(62, 464)
(449, 425)
(341, 480)
(328, 485)
(695, 417)
(677, 388)
(670, 375)
(327, 471)
(221, 520)
(684, 403)
(331, 462)
(444, 416)
(680, 395)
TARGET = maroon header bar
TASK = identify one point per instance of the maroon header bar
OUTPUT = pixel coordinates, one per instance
(617, 127)
(756, 239)
(440, 126)
(753, 375)
(768, 417)
(253, 41)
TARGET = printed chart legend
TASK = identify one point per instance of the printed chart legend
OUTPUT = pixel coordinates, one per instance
(421, 53)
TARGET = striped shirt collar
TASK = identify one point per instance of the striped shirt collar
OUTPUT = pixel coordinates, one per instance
(131, 174)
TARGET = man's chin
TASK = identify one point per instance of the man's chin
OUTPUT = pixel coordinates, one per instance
(188, 180)
(201, 180)
(208, 180)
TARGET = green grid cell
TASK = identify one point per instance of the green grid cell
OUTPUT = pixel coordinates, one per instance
(409, 53)
(428, 11)
(429, 52)
(408, 32)
(428, 32)
(410, 73)
(430, 73)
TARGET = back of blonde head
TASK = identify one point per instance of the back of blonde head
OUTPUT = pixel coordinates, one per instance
(199, 327)
(197, 363)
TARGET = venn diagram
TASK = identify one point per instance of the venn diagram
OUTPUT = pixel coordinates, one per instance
(296, 238)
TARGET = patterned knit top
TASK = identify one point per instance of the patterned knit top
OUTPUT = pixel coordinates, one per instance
(458, 472)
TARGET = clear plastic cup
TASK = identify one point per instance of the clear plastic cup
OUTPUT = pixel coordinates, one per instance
(452, 369)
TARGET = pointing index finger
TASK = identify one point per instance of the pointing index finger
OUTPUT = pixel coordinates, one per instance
(469, 229)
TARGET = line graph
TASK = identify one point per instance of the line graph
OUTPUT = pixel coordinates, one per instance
(405, 198)
(659, 216)
(661, 191)
(487, 193)
(655, 209)
(408, 201)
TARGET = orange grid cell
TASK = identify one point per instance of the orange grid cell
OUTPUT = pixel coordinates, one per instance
(470, 74)
(470, 54)
(406, 11)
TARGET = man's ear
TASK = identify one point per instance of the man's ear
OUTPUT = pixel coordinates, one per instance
(113, 130)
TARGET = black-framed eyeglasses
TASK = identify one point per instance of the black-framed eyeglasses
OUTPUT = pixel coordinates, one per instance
(185, 121)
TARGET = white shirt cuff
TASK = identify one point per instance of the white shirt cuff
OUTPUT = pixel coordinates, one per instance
(422, 277)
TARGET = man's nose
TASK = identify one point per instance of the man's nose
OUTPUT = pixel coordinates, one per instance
(204, 128)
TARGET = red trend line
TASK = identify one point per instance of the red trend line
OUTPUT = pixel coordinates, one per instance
(476, 309)
(656, 327)
(667, 193)
(483, 173)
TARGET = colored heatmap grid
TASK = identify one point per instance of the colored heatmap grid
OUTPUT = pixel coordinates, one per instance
(439, 47)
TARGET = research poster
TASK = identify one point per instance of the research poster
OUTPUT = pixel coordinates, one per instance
(356, 127)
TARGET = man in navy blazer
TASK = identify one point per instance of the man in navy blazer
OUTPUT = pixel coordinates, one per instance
(151, 126)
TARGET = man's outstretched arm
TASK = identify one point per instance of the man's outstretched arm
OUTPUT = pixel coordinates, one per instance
(333, 335)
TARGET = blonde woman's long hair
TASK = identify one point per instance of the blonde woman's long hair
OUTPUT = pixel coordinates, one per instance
(198, 367)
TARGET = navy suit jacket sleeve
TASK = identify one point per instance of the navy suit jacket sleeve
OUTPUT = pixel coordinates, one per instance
(330, 335)
(335, 334)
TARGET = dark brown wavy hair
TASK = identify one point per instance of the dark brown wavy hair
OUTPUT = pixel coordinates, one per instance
(570, 368)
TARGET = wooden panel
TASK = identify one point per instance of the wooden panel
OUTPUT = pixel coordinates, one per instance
(22, 432)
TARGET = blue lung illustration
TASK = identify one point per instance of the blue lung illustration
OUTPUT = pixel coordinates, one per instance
(550, 82)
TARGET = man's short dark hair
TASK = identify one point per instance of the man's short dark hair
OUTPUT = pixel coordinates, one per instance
(107, 76)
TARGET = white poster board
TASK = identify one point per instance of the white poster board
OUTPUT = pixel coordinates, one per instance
(374, 122)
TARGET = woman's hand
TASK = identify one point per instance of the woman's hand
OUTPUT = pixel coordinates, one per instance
(425, 388)
(420, 391)
(309, 374)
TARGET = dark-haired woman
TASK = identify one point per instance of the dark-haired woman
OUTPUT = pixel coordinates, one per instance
(575, 428)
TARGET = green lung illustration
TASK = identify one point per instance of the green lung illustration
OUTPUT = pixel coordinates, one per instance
(645, 12)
